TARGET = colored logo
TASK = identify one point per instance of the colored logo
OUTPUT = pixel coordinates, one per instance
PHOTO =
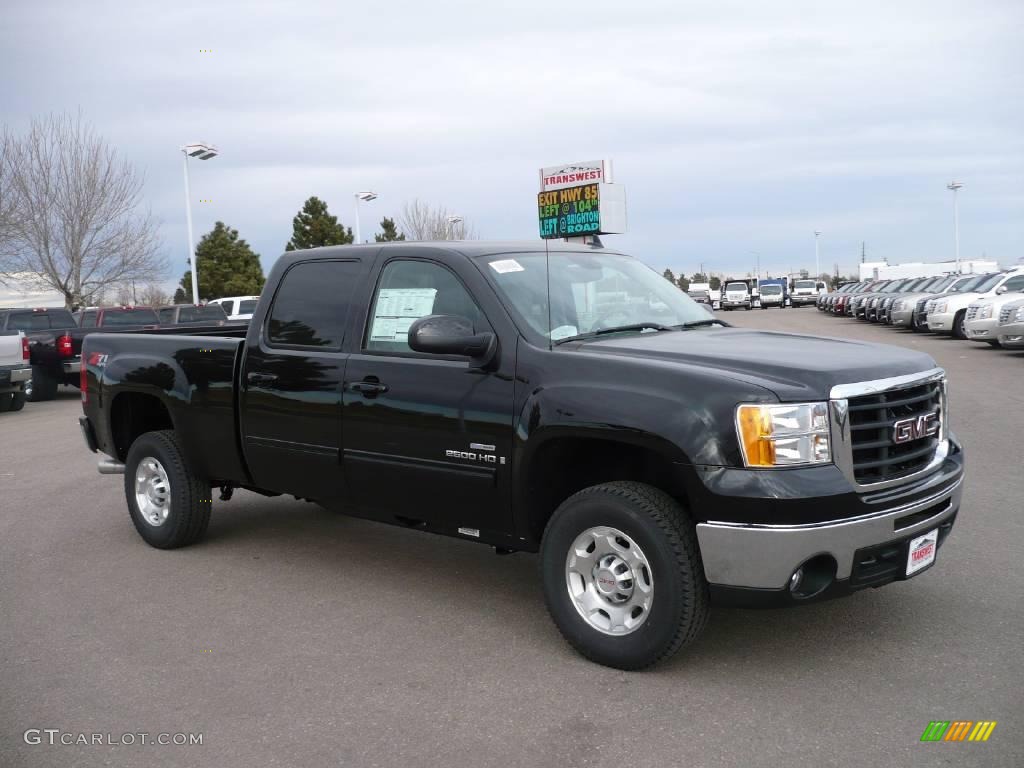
(958, 730)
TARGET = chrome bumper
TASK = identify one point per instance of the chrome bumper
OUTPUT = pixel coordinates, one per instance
(73, 365)
(19, 375)
(765, 556)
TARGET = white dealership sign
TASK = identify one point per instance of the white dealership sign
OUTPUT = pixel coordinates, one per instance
(574, 174)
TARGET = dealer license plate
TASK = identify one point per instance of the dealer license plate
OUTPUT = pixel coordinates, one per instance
(922, 551)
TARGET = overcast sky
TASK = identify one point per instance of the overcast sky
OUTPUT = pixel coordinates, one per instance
(736, 127)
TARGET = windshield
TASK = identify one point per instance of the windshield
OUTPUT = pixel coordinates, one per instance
(589, 292)
(804, 284)
(129, 317)
(989, 283)
(895, 286)
(771, 290)
(736, 287)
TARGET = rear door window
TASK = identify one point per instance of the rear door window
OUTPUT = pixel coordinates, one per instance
(246, 307)
(311, 305)
(229, 307)
(167, 315)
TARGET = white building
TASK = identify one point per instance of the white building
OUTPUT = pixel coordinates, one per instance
(882, 270)
(25, 289)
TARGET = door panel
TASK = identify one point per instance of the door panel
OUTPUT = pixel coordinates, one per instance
(426, 438)
(291, 382)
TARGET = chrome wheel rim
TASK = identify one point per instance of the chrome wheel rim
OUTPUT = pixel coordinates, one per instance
(609, 580)
(28, 388)
(152, 492)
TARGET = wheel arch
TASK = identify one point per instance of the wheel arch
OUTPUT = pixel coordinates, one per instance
(133, 414)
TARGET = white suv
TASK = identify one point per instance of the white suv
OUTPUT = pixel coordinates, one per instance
(982, 319)
(948, 313)
(238, 307)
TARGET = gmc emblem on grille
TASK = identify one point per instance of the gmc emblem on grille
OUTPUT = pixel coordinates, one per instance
(905, 430)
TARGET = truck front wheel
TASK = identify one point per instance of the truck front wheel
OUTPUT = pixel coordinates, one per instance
(168, 505)
(623, 578)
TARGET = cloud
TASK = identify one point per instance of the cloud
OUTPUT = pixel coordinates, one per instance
(735, 126)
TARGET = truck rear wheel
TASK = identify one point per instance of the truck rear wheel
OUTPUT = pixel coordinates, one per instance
(623, 578)
(168, 505)
(12, 401)
(44, 386)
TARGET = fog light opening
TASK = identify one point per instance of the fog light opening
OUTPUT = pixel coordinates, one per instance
(812, 577)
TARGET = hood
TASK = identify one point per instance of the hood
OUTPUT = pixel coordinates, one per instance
(793, 366)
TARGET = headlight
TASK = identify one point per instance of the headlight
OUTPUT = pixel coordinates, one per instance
(1020, 315)
(985, 312)
(784, 435)
(899, 306)
(940, 307)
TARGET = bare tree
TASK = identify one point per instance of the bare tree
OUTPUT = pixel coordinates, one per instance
(152, 295)
(421, 221)
(75, 212)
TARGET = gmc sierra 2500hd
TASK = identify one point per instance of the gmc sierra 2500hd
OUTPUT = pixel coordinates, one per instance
(569, 401)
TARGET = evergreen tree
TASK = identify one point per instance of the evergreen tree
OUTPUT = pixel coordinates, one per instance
(179, 294)
(390, 232)
(668, 275)
(715, 283)
(683, 283)
(227, 266)
(313, 227)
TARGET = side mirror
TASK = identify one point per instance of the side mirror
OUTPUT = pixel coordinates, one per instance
(1001, 290)
(452, 335)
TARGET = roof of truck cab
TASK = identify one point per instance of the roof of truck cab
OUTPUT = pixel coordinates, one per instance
(469, 248)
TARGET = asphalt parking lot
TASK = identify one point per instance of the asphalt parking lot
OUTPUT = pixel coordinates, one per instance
(295, 637)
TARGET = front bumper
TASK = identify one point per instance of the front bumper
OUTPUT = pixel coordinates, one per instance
(750, 563)
(730, 303)
(1011, 335)
(800, 301)
(940, 323)
(982, 330)
(901, 317)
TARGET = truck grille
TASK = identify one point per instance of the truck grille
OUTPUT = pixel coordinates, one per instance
(920, 309)
(876, 457)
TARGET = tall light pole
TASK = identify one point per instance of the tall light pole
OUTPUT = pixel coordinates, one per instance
(200, 152)
(955, 186)
(365, 197)
(817, 260)
(452, 221)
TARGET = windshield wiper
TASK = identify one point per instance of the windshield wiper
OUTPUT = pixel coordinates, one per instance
(700, 323)
(619, 329)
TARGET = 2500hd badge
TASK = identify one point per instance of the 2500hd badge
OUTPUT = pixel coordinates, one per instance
(657, 459)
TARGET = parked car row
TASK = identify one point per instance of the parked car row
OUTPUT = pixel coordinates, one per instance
(53, 338)
(986, 308)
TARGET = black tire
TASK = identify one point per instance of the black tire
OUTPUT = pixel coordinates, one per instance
(190, 499)
(5, 401)
(44, 386)
(17, 402)
(959, 331)
(663, 531)
(995, 344)
(747, 308)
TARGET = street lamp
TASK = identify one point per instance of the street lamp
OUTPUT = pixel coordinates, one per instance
(817, 261)
(452, 221)
(955, 186)
(365, 197)
(200, 152)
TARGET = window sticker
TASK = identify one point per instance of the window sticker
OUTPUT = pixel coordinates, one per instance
(397, 309)
(506, 265)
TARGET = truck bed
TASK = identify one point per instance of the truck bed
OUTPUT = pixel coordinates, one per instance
(193, 373)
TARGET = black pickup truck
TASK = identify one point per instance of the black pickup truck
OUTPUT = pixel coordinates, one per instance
(566, 400)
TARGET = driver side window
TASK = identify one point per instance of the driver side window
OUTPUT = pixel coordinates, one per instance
(409, 290)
